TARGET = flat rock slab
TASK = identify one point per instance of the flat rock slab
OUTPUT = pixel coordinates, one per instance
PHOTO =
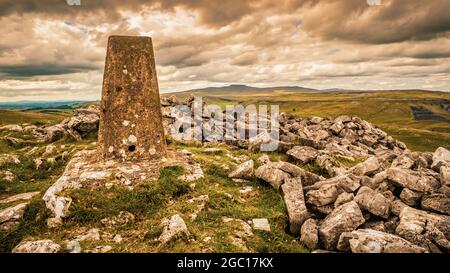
(19, 197)
(373, 241)
(88, 170)
(413, 180)
(413, 222)
(303, 154)
(243, 171)
(261, 224)
(12, 213)
(41, 246)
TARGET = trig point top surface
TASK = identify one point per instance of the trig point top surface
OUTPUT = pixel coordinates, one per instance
(130, 119)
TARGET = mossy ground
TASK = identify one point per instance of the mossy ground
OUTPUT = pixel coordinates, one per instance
(150, 202)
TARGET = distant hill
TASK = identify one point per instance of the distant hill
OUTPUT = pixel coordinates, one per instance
(239, 88)
(38, 105)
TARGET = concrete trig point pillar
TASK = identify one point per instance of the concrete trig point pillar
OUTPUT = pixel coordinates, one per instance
(130, 119)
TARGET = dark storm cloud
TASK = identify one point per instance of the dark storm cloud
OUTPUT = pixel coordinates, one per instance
(24, 71)
(48, 44)
(355, 20)
(393, 21)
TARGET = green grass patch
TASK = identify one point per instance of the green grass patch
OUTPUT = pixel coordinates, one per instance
(144, 201)
(32, 223)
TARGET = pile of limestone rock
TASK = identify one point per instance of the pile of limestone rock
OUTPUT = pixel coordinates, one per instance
(378, 205)
(83, 122)
(394, 200)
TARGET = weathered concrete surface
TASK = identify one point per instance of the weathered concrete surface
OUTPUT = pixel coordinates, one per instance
(130, 117)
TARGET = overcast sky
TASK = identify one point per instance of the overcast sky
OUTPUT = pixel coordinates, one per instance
(52, 51)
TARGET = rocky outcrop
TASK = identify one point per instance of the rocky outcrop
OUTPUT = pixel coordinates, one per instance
(344, 218)
(295, 204)
(393, 200)
(84, 122)
(42, 246)
(9, 159)
(413, 180)
(303, 154)
(271, 174)
(12, 214)
(175, 227)
(86, 170)
(420, 227)
(374, 202)
(243, 171)
(261, 224)
(309, 234)
(441, 157)
(372, 195)
(373, 241)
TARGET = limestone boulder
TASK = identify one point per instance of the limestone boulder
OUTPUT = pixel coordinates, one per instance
(13, 213)
(254, 143)
(308, 178)
(436, 202)
(295, 204)
(41, 246)
(261, 224)
(174, 228)
(445, 175)
(414, 225)
(441, 157)
(302, 154)
(243, 171)
(327, 194)
(410, 198)
(271, 174)
(374, 202)
(309, 234)
(344, 218)
(337, 127)
(343, 198)
(413, 180)
(368, 167)
(373, 241)
(55, 132)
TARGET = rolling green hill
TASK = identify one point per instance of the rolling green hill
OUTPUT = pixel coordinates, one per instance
(31, 117)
